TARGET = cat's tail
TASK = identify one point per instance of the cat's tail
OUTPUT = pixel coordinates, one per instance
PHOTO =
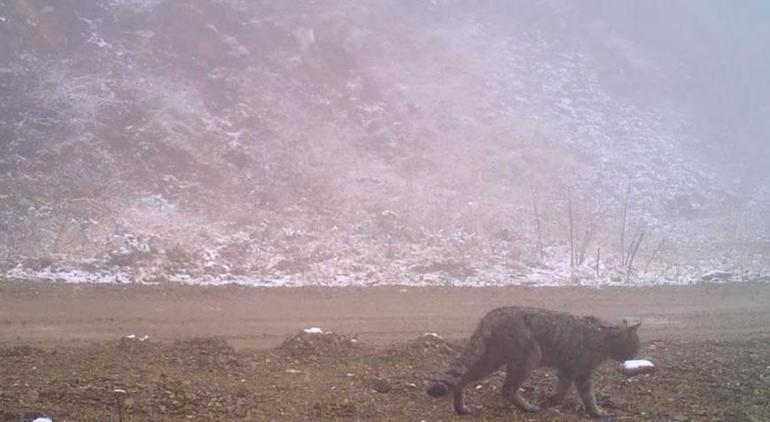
(474, 351)
(437, 388)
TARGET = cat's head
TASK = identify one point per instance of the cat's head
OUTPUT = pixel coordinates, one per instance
(623, 341)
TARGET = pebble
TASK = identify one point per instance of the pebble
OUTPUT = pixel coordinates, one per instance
(614, 402)
(381, 386)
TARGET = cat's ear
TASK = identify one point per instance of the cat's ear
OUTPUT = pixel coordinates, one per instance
(625, 326)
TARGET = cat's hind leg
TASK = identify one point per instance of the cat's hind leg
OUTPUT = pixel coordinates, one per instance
(488, 364)
(520, 365)
(562, 388)
(585, 389)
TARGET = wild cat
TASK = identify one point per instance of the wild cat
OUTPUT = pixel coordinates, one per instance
(523, 339)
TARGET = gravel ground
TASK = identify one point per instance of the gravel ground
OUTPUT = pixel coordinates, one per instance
(332, 377)
(63, 352)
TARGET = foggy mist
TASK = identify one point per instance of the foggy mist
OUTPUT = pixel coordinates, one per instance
(384, 210)
(380, 142)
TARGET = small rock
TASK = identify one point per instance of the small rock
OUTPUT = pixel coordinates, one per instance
(367, 410)
(33, 395)
(614, 402)
(381, 386)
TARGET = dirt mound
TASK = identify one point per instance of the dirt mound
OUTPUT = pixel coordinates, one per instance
(311, 345)
(204, 353)
(428, 346)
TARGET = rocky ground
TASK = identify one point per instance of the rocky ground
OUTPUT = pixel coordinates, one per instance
(64, 352)
(335, 377)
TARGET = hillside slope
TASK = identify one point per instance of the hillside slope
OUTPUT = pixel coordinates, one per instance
(386, 141)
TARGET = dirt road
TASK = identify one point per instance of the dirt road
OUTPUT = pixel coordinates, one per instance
(63, 353)
(50, 314)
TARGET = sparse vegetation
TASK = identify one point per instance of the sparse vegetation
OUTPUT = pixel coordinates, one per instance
(255, 124)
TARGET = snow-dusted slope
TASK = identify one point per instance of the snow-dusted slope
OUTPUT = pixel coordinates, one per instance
(365, 142)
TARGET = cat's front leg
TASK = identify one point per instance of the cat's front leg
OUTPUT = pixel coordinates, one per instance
(561, 390)
(585, 389)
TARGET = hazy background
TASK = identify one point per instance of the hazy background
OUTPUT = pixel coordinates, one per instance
(366, 142)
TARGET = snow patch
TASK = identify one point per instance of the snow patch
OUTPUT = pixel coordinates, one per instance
(134, 337)
(633, 365)
(136, 6)
(69, 275)
(313, 330)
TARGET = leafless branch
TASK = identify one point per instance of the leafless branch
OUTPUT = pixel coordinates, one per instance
(657, 250)
(623, 226)
(537, 227)
(571, 230)
(634, 248)
(598, 258)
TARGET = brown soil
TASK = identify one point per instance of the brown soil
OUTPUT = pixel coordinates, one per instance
(229, 353)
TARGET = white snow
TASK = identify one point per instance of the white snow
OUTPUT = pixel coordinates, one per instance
(631, 365)
(341, 272)
(429, 334)
(313, 330)
(43, 420)
(134, 337)
(68, 275)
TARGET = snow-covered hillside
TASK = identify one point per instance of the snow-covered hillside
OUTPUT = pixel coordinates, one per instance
(389, 141)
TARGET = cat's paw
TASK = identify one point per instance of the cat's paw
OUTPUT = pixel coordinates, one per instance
(525, 405)
(468, 409)
(462, 411)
